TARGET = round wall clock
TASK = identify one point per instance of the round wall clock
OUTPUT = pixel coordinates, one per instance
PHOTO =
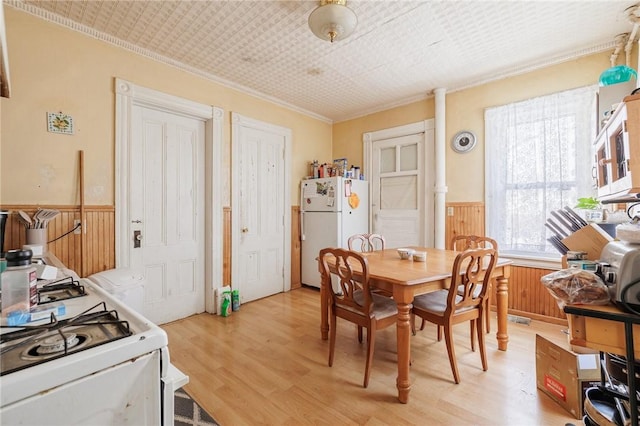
(463, 141)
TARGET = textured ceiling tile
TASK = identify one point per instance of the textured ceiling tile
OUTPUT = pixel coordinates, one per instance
(399, 50)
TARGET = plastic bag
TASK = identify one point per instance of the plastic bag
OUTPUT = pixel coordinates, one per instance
(629, 232)
(575, 287)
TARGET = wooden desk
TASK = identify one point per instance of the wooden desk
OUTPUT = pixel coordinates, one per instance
(406, 278)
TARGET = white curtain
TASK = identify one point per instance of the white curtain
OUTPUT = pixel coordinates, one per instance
(538, 158)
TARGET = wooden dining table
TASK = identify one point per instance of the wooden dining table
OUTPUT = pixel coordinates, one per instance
(407, 278)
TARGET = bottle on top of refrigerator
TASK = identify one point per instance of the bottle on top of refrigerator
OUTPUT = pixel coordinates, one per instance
(19, 282)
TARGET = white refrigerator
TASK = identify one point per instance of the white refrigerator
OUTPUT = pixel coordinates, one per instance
(332, 209)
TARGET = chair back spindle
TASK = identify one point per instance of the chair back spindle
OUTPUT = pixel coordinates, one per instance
(366, 242)
(470, 280)
(353, 289)
(465, 242)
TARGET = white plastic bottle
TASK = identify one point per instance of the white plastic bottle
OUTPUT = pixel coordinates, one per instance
(19, 282)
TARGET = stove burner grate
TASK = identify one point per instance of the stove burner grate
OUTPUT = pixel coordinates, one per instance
(62, 289)
(32, 345)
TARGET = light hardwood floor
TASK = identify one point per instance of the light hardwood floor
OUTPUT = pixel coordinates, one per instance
(266, 364)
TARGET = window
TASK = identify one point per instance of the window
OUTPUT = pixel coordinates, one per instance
(537, 159)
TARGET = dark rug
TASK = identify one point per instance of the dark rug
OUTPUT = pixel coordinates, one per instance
(187, 412)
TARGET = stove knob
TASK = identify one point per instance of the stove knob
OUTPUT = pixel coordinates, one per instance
(610, 277)
(600, 266)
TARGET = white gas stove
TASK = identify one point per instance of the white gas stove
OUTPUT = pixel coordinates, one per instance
(99, 363)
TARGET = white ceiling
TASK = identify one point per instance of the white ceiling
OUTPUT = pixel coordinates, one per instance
(400, 51)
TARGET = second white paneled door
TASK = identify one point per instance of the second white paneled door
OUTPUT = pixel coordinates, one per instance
(261, 230)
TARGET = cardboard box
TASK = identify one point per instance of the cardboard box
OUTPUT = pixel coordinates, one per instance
(591, 239)
(565, 375)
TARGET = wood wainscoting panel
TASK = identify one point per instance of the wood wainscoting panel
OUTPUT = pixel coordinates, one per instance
(296, 266)
(226, 246)
(98, 255)
(463, 219)
(529, 298)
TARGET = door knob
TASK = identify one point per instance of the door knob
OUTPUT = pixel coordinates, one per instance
(137, 237)
(245, 230)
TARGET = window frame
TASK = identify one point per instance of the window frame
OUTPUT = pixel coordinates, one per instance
(582, 107)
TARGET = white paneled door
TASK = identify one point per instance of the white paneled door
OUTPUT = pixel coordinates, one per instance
(261, 210)
(166, 206)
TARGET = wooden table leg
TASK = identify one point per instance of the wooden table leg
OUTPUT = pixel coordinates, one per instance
(502, 308)
(403, 332)
(324, 311)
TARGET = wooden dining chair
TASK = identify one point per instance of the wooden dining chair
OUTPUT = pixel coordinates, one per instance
(354, 301)
(366, 242)
(466, 242)
(465, 300)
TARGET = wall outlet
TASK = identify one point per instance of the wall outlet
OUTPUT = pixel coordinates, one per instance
(449, 211)
(77, 230)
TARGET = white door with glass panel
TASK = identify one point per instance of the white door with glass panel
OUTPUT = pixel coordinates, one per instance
(402, 190)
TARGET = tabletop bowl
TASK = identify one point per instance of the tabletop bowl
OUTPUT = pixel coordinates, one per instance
(420, 256)
(405, 253)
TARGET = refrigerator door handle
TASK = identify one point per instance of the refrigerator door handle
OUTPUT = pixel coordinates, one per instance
(301, 225)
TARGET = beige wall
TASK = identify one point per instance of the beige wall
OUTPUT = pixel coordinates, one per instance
(465, 111)
(56, 69)
(347, 135)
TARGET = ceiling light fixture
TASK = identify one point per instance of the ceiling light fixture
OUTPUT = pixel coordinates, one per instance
(332, 20)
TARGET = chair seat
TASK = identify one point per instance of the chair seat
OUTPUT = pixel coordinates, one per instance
(383, 307)
(435, 302)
